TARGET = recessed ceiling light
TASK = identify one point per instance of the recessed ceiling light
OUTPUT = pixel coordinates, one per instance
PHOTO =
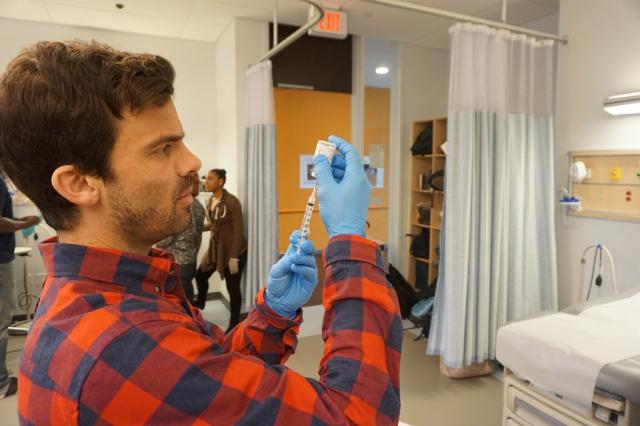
(382, 70)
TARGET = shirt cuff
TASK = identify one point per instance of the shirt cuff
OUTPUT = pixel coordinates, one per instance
(274, 319)
(353, 247)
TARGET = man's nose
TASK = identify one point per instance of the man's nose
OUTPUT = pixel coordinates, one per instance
(190, 164)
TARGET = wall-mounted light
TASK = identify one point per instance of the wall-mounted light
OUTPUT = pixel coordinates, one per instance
(382, 70)
(628, 103)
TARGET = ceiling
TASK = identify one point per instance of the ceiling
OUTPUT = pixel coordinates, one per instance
(206, 19)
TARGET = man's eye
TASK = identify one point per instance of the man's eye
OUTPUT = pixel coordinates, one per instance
(165, 149)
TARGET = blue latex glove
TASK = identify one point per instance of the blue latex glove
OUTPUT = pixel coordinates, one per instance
(27, 232)
(343, 190)
(292, 279)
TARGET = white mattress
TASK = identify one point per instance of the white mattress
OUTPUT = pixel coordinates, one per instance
(563, 353)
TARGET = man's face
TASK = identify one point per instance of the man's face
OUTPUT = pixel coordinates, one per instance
(213, 182)
(149, 198)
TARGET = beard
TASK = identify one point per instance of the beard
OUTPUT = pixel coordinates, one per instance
(139, 216)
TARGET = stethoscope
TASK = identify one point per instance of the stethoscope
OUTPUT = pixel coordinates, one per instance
(216, 211)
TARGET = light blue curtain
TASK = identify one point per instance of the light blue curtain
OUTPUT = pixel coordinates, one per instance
(498, 238)
(261, 201)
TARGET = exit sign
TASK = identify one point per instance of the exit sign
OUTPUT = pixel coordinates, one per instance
(332, 25)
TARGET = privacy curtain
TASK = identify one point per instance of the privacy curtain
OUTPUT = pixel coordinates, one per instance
(498, 246)
(261, 204)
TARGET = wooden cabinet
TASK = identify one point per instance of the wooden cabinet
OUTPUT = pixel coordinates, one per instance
(426, 203)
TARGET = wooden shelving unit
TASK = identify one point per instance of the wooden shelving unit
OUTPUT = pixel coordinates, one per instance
(426, 165)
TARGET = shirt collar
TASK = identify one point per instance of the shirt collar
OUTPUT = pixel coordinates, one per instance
(156, 272)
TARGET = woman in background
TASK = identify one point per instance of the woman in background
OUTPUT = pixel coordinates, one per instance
(227, 251)
(185, 246)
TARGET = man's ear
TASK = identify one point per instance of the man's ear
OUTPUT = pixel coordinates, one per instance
(77, 188)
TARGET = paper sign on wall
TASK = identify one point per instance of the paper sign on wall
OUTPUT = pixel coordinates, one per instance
(374, 174)
(376, 154)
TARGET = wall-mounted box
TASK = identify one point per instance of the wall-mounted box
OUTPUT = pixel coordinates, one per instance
(612, 189)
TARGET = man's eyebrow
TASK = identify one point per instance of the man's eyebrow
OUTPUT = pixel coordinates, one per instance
(167, 138)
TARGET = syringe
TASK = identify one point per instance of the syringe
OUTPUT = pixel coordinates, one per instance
(328, 149)
(306, 219)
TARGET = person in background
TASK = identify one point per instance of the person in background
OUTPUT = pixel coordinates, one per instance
(8, 225)
(114, 339)
(185, 246)
(227, 251)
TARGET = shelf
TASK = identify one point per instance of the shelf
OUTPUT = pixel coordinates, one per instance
(426, 165)
(607, 215)
(428, 191)
(615, 183)
(429, 156)
(419, 225)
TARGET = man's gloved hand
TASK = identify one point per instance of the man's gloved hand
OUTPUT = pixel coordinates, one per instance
(292, 279)
(343, 190)
(233, 265)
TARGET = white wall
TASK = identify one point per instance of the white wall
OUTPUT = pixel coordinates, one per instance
(240, 45)
(193, 61)
(599, 61)
(252, 42)
(548, 24)
(424, 94)
(227, 118)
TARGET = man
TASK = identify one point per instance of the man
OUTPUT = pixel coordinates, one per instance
(8, 225)
(114, 339)
(185, 246)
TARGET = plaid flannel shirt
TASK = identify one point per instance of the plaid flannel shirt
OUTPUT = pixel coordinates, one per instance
(114, 341)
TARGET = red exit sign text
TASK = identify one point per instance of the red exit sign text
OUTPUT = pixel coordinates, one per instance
(333, 24)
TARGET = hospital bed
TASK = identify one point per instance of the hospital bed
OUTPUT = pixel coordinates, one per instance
(537, 381)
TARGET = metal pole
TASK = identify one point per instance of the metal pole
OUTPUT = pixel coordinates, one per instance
(275, 23)
(468, 18)
(297, 34)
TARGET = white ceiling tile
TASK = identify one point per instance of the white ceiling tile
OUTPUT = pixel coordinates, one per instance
(31, 10)
(218, 13)
(170, 9)
(203, 19)
(202, 32)
(72, 15)
(390, 23)
(256, 4)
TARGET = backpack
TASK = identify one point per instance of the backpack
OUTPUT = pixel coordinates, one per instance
(420, 244)
(424, 212)
(423, 144)
(407, 296)
(436, 180)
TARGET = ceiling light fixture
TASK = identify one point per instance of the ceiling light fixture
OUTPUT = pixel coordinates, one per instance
(627, 103)
(382, 70)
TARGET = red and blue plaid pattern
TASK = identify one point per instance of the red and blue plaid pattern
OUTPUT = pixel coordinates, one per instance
(114, 341)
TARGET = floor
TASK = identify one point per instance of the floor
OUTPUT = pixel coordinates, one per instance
(428, 397)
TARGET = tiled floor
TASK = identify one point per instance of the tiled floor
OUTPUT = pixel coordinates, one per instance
(428, 397)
